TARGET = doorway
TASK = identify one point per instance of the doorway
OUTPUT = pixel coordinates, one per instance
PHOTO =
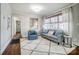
(18, 27)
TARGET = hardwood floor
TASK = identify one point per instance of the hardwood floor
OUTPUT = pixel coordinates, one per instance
(14, 48)
(75, 52)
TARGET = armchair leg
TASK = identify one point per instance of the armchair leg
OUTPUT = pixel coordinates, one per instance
(58, 43)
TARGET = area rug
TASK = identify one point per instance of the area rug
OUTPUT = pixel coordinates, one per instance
(43, 46)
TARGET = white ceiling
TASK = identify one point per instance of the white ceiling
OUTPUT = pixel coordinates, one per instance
(48, 8)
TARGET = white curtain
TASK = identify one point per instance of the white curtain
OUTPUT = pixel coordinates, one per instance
(67, 20)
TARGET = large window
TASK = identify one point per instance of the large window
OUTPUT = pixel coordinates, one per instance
(46, 24)
(56, 22)
(63, 23)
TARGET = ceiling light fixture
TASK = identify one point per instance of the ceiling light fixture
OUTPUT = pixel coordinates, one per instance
(36, 8)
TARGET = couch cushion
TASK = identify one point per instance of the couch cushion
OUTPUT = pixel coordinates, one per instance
(52, 36)
(45, 31)
(50, 32)
(58, 32)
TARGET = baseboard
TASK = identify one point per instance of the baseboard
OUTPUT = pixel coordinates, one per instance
(3, 49)
(76, 44)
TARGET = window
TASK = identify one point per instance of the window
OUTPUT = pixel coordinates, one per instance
(34, 23)
(63, 22)
(47, 20)
(46, 24)
(56, 22)
(54, 19)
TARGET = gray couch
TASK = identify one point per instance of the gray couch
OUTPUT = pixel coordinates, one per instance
(56, 36)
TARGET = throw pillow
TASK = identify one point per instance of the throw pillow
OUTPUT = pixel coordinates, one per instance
(50, 32)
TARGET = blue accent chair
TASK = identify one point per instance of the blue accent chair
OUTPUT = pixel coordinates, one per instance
(32, 35)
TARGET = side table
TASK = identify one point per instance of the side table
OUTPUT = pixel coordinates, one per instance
(67, 40)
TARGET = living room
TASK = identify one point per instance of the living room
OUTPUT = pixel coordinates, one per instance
(44, 28)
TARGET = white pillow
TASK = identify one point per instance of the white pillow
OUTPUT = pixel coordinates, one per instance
(50, 32)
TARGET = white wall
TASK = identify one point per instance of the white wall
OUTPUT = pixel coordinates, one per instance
(14, 19)
(0, 28)
(75, 13)
(5, 30)
(25, 23)
(13, 26)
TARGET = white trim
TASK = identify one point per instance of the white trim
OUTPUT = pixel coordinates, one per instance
(5, 46)
(0, 28)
